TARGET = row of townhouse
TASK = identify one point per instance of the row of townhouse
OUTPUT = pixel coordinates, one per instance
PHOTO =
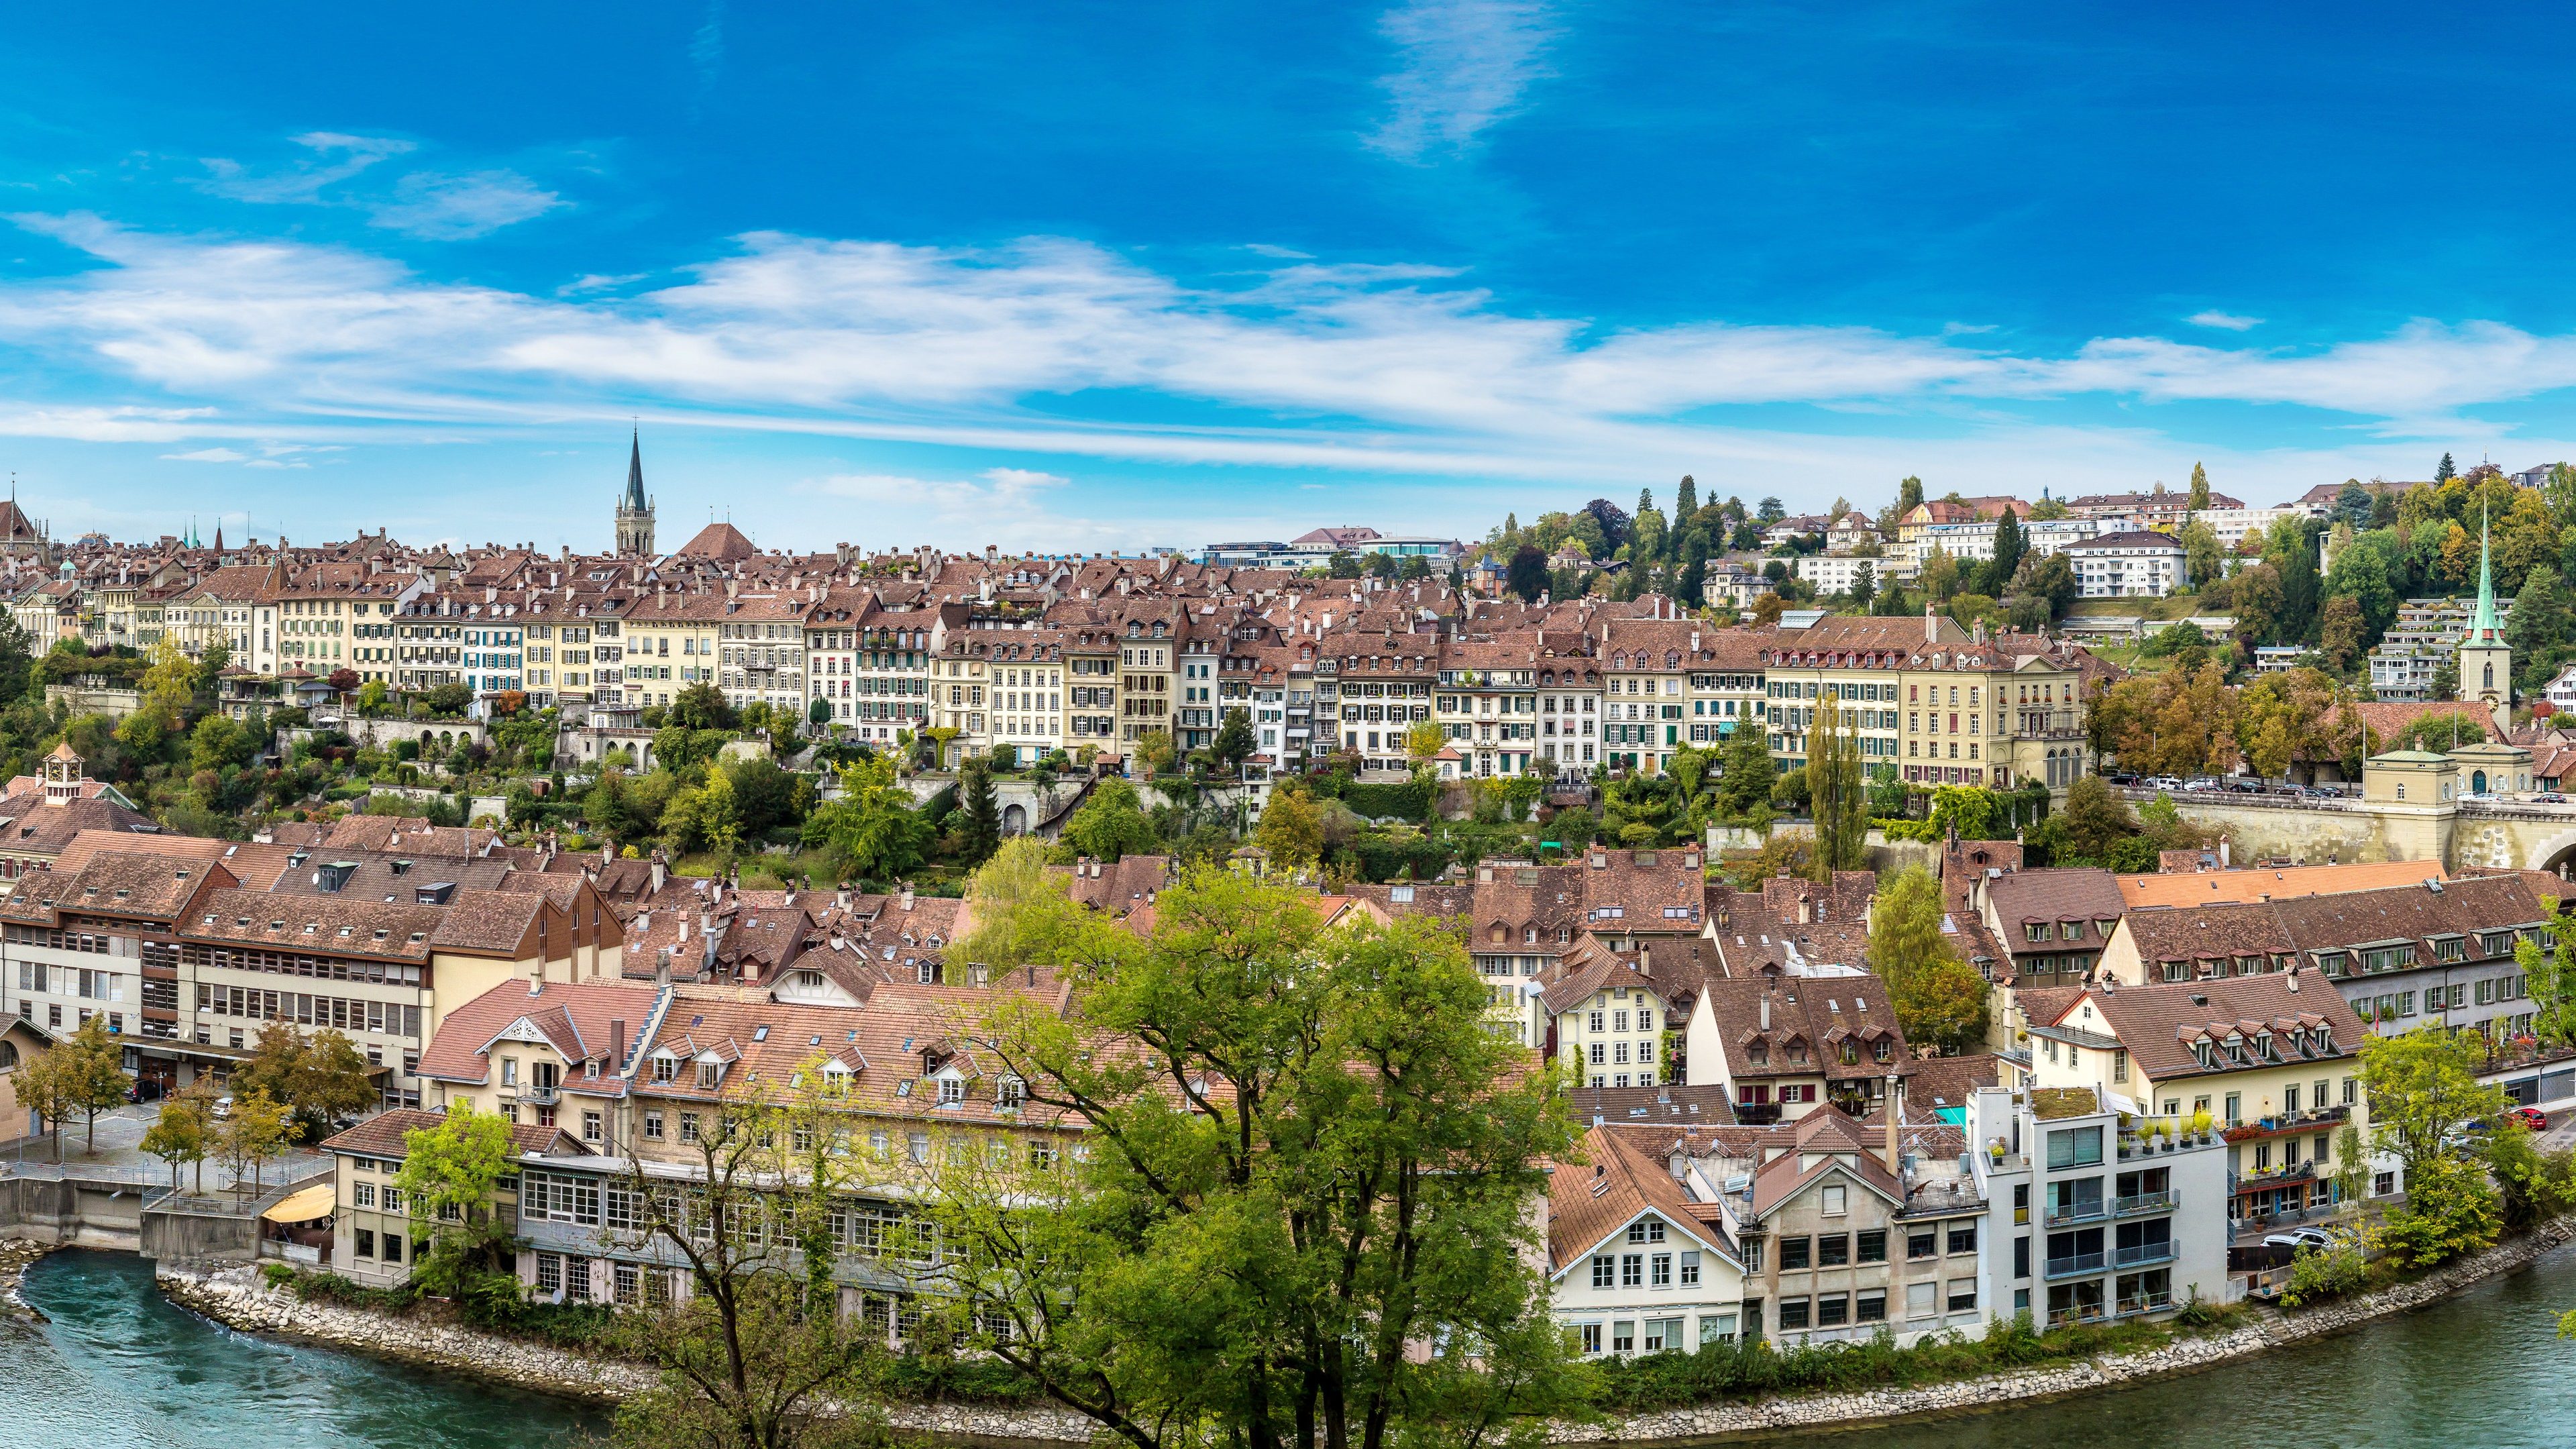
(190, 947)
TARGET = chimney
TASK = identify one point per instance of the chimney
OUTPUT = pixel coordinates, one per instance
(1806, 909)
(662, 963)
(1895, 1106)
(1931, 624)
(2293, 982)
(907, 895)
(616, 1042)
(2222, 855)
(1766, 1006)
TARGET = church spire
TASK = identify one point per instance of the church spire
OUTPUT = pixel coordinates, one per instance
(635, 473)
(2482, 624)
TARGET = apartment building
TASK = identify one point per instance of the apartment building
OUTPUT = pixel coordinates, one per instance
(2088, 1219)
(1486, 703)
(1091, 687)
(957, 682)
(1030, 678)
(2433, 952)
(2139, 564)
(1991, 712)
(668, 643)
(1783, 1045)
(1383, 688)
(760, 650)
(1570, 715)
(2273, 1058)
(1635, 1264)
(1149, 668)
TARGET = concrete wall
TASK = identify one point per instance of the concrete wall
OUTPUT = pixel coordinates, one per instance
(199, 1236)
(73, 1212)
(2516, 836)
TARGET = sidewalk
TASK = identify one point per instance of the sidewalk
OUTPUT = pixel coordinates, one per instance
(119, 1157)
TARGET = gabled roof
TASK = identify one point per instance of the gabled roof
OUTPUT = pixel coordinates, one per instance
(1591, 1202)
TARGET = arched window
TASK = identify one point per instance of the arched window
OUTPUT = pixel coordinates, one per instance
(8, 1055)
(2490, 676)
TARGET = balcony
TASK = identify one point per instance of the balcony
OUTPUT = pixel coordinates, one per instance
(2075, 1265)
(2264, 1180)
(2146, 1202)
(2281, 1125)
(540, 1096)
(2143, 1254)
(2081, 1211)
(2137, 1304)
(1757, 1114)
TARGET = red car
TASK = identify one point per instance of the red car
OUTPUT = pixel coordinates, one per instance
(2531, 1117)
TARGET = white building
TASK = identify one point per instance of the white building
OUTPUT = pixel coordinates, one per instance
(2086, 1225)
(1835, 574)
(1634, 1265)
(2040, 538)
(2233, 525)
(2129, 565)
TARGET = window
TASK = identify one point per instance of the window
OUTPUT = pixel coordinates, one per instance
(1922, 1243)
(1650, 1230)
(2081, 1146)
(1632, 1270)
(688, 1126)
(653, 1125)
(1922, 1300)
(1592, 1338)
(1601, 1270)
(1793, 1313)
(1963, 1294)
(1833, 1250)
(1963, 1236)
(1872, 1247)
(1660, 1271)
(365, 1194)
(366, 1243)
(1690, 1270)
(1871, 1306)
(1833, 1310)
(1794, 1254)
(1834, 1196)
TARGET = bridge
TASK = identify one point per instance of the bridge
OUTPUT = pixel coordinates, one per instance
(2513, 834)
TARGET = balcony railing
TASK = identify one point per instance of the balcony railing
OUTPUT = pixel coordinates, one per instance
(2145, 1303)
(2075, 1263)
(2068, 1317)
(2082, 1210)
(2143, 1253)
(540, 1096)
(2146, 1202)
(1757, 1114)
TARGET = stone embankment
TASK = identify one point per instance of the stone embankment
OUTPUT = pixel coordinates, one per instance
(2271, 1331)
(240, 1297)
(15, 1255)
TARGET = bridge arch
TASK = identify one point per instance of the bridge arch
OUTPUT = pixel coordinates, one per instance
(2556, 854)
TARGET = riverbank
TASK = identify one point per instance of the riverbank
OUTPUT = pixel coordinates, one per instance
(15, 1255)
(1868, 1408)
(240, 1297)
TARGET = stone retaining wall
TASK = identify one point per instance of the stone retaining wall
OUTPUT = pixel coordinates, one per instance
(242, 1298)
(2185, 1355)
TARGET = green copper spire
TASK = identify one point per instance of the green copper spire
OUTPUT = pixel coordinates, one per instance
(2482, 624)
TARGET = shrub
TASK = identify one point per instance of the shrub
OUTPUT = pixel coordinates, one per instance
(2319, 1275)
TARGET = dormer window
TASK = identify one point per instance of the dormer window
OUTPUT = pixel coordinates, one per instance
(666, 1069)
(710, 1074)
(1010, 1092)
(952, 1090)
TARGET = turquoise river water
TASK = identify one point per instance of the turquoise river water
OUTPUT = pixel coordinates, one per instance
(119, 1366)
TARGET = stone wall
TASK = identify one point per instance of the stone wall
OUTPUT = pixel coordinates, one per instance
(2184, 1355)
(242, 1298)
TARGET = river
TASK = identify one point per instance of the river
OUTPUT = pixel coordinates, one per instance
(121, 1368)
(2484, 1369)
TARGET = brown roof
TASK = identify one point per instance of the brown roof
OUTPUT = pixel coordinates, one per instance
(1816, 1012)
(575, 1017)
(2343, 921)
(2030, 897)
(2159, 1024)
(1587, 1204)
(2206, 887)
(386, 1134)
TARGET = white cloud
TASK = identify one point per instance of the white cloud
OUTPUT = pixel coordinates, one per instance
(207, 455)
(999, 506)
(1337, 367)
(336, 158)
(1462, 66)
(446, 207)
(2225, 321)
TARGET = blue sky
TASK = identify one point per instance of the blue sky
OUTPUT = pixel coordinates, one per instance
(1106, 276)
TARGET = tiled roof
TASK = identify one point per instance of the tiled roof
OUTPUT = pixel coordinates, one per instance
(2158, 1024)
(2195, 888)
(1589, 1201)
(386, 1134)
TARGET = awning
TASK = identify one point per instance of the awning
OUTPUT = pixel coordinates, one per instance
(302, 1206)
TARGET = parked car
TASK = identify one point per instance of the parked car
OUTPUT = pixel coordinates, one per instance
(2549, 797)
(2531, 1117)
(2162, 782)
(223, 1108)
(2120, 778)
(2202, 784)
(2317, 1238)
(144, 1090)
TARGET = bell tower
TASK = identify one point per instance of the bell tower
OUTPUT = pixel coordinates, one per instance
(2486, 663)
(634, 510)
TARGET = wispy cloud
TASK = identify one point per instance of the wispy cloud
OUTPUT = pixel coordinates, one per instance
(208, 455)
(1001, 506)
(1462, 65)
(2224, 321)
(1339, 367)
(335, 158)
(432, 204)
(456, 208)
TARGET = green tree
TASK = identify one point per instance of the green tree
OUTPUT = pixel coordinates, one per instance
(755, 1355)
(1527, 575)
(702, 707)
(1234, 741)
(315, 1078)
(1110, 822)
(2542, 628)
(1305, 1221)
(1996, 573)
(872, 831)
(983, 811)
(2451, 1210)
(1018, 908)
(2445, 471)
(2550, 977)
(1154, 750)
(1838, 790)
(1864, 586)
(448, 1174)
(93, 1067)
(1938, 998)
(1423, 742)
(1745, 776)
(1292, 826)
(182, 1134)
(2203, 557)
(2422, 1086)
(2199, 488)
(253, 1136)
